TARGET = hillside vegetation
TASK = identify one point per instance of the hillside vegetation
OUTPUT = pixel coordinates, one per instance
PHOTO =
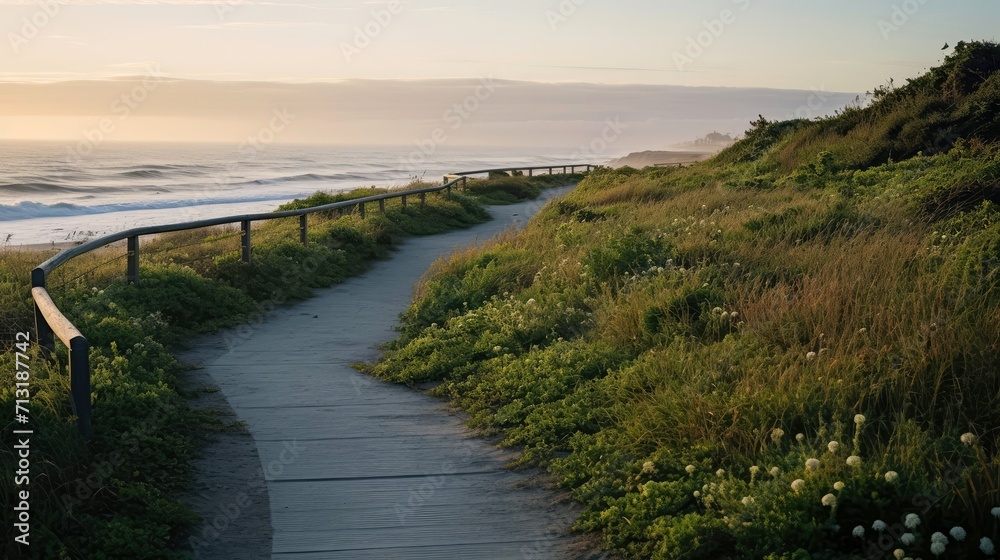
(788, 351)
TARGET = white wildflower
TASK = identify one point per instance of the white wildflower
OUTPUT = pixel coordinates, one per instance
(798, 484)
(754, 470)
(719, 473)
(829, 500)
(497, 349)
(859, 418)
(810, 356)
(891, 477)
(648, 467)
(957, 533)
(968, 438)
(854, 461)
(858, 532)
(833, 446)
(986, 546)
(907, 539)
(774, 471)
(697, 494)
(746, 501)
(812, 464)
(898, 553)
(734, 315)
(689, 469)
(937, 549)
(995, 512)
(912, 521)
(879, 525)
(939, 537)
(838, 486)
(777, 434)
(800, 437)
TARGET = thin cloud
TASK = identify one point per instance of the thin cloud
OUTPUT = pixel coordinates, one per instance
(242, 25)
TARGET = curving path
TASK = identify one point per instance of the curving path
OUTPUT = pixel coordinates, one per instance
(361, 469)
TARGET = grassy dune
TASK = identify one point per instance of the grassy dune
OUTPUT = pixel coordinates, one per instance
(116, 496)
(788, 351)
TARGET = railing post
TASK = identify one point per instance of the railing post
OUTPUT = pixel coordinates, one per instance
(423, 197)
(247, 252)
(465, 180)
(404, 202)
(550, 171)
(381, 205)
(132, 274)
(449, 191)
(304, 229)
(43, 332)
(362, 207)
(564, 170)
(531, 172)
(79, 382)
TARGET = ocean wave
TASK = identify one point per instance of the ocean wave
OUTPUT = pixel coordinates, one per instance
(31, 210)
(22, 188)
(143, 174)
(308, 177)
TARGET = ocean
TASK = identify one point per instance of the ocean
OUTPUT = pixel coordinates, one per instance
(49, 194)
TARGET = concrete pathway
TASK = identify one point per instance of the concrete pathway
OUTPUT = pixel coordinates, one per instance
(361, 469)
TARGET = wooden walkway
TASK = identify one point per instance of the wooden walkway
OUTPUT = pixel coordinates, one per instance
(361, 469)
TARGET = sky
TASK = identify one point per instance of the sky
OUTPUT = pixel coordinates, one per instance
(848, 46)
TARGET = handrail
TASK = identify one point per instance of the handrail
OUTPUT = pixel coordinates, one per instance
(51, 323)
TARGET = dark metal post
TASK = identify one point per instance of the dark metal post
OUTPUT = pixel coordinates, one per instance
(247, 253)
(404, 202)
(79, 382)
(43, 332)
(564, 170)
(381, 205)
(304, 229)
(423, 196)
(531, 173)
(362, 206)
(449, 191)
(550, 171)
(465, 180)
(132, 275)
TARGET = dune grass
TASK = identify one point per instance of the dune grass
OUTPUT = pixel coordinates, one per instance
(764, 355)
(117, 496)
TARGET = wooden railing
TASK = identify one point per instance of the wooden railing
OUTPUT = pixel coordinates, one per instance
(50, 323)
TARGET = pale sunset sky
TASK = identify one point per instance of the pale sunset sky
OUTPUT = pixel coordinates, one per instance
(846, 46)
